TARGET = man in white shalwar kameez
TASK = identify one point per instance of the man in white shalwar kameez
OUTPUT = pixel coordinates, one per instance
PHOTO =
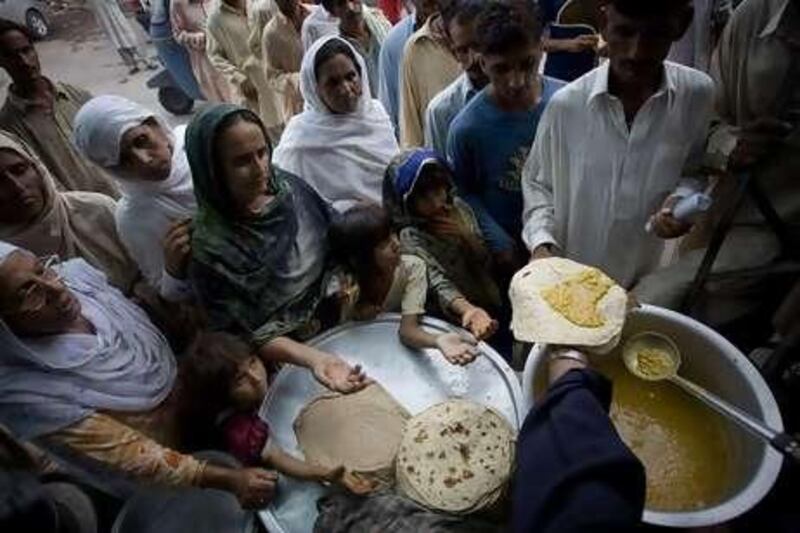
(616, 148)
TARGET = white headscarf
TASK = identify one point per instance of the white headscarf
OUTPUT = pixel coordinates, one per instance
(48, 383)
(147, 208)
(343, 157)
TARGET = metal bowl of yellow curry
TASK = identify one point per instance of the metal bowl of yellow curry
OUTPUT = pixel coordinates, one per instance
(701, 469)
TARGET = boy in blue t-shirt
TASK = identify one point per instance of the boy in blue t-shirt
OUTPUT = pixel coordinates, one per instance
(490, 138)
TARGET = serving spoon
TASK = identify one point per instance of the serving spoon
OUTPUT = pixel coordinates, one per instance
(666, 369)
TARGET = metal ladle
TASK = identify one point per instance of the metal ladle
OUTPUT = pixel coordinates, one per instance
(782, 442)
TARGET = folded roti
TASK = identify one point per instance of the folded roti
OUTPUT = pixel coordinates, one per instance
(361, 431)
(558, 301)
(456, 456)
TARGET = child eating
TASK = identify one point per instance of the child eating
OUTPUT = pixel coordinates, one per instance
(226, 383)
(387, 281)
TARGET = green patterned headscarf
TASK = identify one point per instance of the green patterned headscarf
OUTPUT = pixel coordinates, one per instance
(262, 277)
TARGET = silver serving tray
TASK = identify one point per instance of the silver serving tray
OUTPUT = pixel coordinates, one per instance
(417, 380)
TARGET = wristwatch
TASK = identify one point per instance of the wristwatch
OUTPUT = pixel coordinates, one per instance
(568, 353)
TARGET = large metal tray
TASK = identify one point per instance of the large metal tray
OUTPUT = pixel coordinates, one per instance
(415, 379)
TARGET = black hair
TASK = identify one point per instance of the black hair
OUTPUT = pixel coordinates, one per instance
(330, 5)
(331, 49)
(7, 26)
(209, 369)
(506, 26)
(649, 8)
(461, 11)
(207, 372)
(355, 235)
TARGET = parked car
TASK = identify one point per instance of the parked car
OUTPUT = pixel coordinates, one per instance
(29, 13)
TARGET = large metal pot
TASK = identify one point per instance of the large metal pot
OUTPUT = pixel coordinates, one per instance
(716, 364)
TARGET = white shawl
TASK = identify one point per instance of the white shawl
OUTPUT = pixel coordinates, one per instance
(147, 208)
(48, 383)
(343, 157)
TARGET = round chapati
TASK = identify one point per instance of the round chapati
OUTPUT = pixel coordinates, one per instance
(361, 431)
(558, 301)
(456, 456)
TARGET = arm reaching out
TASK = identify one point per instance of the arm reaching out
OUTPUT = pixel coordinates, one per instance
(457, 349)
(328, 369)
(296, 468)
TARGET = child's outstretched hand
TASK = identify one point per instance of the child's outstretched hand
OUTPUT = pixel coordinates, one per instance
(479, 323)
(457, 349)
(334, 373)
(352, 481)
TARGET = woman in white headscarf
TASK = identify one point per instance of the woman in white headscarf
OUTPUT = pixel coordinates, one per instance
(82, 369)
(38, 217)
(149, 162)
(343, 141)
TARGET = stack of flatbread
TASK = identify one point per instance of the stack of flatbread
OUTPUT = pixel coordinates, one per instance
(361, 431)
(456, 457)
(558, 301)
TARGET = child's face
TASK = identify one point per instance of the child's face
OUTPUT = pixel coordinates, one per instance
(430, 198)
(432, 203)
(250, 384)
(387, 254)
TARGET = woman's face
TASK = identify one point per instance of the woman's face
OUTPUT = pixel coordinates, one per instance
(22, 196)
(339, 84)
(387, 254)
(250, 384)
(244, 161)
(33, 299)
(146, 152)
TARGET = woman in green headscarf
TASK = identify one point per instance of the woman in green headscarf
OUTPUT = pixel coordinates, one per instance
(259, 244)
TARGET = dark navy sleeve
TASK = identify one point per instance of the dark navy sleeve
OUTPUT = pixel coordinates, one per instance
(574, 473)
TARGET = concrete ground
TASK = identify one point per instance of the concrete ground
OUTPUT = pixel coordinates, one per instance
(79, 53)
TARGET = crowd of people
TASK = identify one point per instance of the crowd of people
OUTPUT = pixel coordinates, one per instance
(153, 279)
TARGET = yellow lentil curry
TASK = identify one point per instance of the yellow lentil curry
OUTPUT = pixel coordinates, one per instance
(654, 363)
(576, 298)
(682, 443)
